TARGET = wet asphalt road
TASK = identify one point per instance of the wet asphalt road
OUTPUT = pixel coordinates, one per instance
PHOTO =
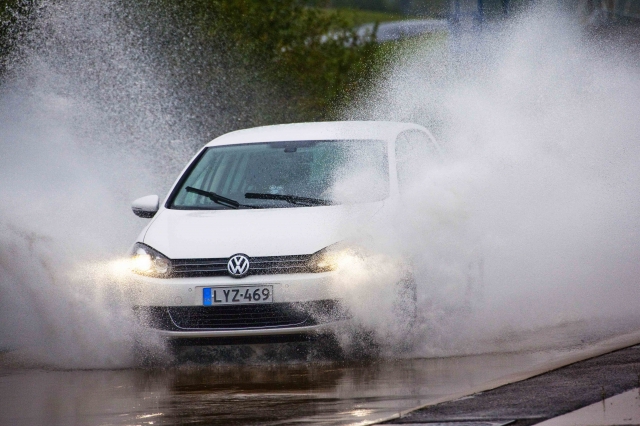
(267, 385)
(326, 393)
(542, 397)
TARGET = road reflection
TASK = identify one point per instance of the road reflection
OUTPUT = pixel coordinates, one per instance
(327, 393)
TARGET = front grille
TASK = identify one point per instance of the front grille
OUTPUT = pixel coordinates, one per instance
(272, 315)
(242, 316)
(257, 266)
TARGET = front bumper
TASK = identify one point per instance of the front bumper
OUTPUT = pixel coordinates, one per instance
(148, 291)
(174, 307)
(253, 332)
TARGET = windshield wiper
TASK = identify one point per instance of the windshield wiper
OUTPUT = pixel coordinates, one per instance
(293, 199)
(218, 199)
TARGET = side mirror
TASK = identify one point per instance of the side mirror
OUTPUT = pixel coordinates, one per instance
(146, 207)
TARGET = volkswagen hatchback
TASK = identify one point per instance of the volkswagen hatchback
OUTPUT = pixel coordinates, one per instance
(248, 241)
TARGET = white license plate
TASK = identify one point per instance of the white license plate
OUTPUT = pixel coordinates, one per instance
(237, 295)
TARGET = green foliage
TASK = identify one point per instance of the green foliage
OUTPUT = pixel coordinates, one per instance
(402, 8)
(14, 21)
(315, 56)
(258, 61)
(393, 6)
(357, 17)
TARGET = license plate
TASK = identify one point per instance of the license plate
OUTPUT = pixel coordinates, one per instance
(237, 295)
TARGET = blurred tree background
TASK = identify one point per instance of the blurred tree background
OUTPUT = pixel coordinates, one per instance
(15, 17)
(417, 8)
(314, 56)
(250, 61)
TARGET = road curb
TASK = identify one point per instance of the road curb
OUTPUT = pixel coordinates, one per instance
(601, 348)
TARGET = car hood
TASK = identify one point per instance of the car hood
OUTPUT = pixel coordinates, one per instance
(189, 234)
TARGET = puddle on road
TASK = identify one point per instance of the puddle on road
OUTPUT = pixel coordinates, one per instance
(326, 393)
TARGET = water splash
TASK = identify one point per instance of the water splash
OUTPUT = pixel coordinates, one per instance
(539, 122)
(537, 193)
(87, 127)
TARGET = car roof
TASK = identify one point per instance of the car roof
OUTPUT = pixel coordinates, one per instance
(328, 130)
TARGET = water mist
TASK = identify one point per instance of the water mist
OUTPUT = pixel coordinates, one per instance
(531, 221)
(88, 124)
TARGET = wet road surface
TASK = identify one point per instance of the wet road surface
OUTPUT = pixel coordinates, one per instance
(326, 393)
(215, 390)
(549, 395)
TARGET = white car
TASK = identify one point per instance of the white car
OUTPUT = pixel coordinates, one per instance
(247, 241)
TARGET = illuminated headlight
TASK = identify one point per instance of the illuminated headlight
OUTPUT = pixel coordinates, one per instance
(335, 257)
(147, 261)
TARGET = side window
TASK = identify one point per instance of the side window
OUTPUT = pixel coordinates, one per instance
(414, 149)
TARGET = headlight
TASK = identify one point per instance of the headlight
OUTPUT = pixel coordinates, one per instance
(334, 257)
(147, 261)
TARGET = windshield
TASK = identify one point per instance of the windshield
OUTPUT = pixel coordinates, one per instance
(285, 174)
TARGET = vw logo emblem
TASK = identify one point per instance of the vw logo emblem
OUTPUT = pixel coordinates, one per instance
(238, 265)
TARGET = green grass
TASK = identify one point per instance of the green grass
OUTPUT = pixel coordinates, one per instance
(357, 17)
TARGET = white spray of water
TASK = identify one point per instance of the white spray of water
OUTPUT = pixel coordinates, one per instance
(533, 219)
(541, 132)
(86, 127)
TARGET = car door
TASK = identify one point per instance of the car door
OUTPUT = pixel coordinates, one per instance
(414, 151)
